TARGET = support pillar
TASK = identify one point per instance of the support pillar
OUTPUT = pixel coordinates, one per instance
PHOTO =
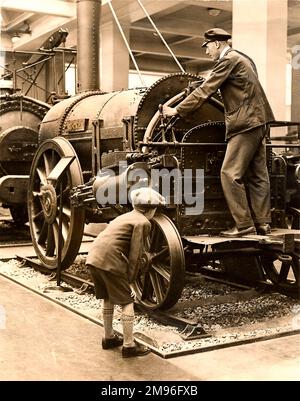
(114, 58)
(295, 105)
(259, 29)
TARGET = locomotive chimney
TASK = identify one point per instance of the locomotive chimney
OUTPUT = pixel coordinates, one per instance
(88, 44)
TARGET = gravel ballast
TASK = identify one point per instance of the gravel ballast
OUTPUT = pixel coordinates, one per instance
(227, 314)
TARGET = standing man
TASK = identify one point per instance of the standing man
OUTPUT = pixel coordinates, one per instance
(114, 261)
(247, 112)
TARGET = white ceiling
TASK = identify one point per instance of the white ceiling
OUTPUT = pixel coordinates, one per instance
(181, 22)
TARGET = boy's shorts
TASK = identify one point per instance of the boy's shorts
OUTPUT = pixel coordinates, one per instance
(109, 286)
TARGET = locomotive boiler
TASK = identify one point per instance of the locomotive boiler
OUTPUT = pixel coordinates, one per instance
(85, 137)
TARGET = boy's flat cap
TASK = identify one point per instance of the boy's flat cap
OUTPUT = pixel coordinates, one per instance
(146, 197)
(215, 34)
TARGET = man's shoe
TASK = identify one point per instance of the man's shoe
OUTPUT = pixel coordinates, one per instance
(263, 229)
(136, 350)
(116, 341)
(238, 232)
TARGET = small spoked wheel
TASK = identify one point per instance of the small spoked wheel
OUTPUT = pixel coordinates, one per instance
(293, 218)
(51, 177)
(160, 283)
(284, 272)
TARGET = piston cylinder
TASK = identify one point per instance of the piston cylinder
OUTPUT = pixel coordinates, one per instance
(110, 188)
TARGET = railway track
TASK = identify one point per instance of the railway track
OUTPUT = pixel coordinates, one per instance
(23, 252)
(191, 328)
(185, 328)
(188, 328)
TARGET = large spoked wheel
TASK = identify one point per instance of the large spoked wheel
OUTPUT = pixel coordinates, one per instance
(284, 272)
(160, 282)
(44, 203)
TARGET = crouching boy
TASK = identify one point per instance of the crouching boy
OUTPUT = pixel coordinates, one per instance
(114, 260)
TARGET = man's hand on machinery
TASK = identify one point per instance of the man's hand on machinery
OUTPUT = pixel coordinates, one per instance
(169, 111)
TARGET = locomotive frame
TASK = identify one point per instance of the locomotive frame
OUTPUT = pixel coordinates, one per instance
(143, 139)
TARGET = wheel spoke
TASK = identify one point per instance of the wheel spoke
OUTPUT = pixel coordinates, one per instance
(147, 288)
(157, 287)
(162, 270)
(43, 234)
(66, 212)
(153, 238)
(38, 215)
(163, 252)
(156, 240)
(284, 271)
(64, 228)
(47, 164)
(42, 175)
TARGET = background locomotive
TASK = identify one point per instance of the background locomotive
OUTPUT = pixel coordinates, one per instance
(20, 119)
(94, 131)
(21, 114)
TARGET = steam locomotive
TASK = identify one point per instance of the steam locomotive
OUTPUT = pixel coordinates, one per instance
(99, 141)
(123, 132)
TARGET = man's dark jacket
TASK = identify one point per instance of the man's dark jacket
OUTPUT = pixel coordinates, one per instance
(245, 103)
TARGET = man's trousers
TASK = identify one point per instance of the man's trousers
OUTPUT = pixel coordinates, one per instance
(245, 163)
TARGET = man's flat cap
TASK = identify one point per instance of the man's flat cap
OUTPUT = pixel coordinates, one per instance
(215, 34)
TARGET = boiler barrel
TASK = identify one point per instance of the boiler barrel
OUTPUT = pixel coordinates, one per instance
(73, 118)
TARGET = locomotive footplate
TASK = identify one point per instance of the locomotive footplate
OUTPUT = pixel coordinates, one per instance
(270, 261)
(278, 236)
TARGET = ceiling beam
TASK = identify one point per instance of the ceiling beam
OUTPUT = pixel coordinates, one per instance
(156, 48)
(168, 65)
(225, 5)
(41, 31)
(131, 11)
(175, 26)
(50, 7)
(13, 24)
(184, 40)
(59, 17)
(4, 20)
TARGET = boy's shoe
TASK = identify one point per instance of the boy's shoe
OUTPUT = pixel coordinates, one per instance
(136, 350)
(116, 341)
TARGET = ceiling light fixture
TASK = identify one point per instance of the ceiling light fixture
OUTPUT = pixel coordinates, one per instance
(16, 34)
(213, 12)
(15, 37)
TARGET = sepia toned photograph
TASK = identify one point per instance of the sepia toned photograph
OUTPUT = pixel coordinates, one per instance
(149, 194)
